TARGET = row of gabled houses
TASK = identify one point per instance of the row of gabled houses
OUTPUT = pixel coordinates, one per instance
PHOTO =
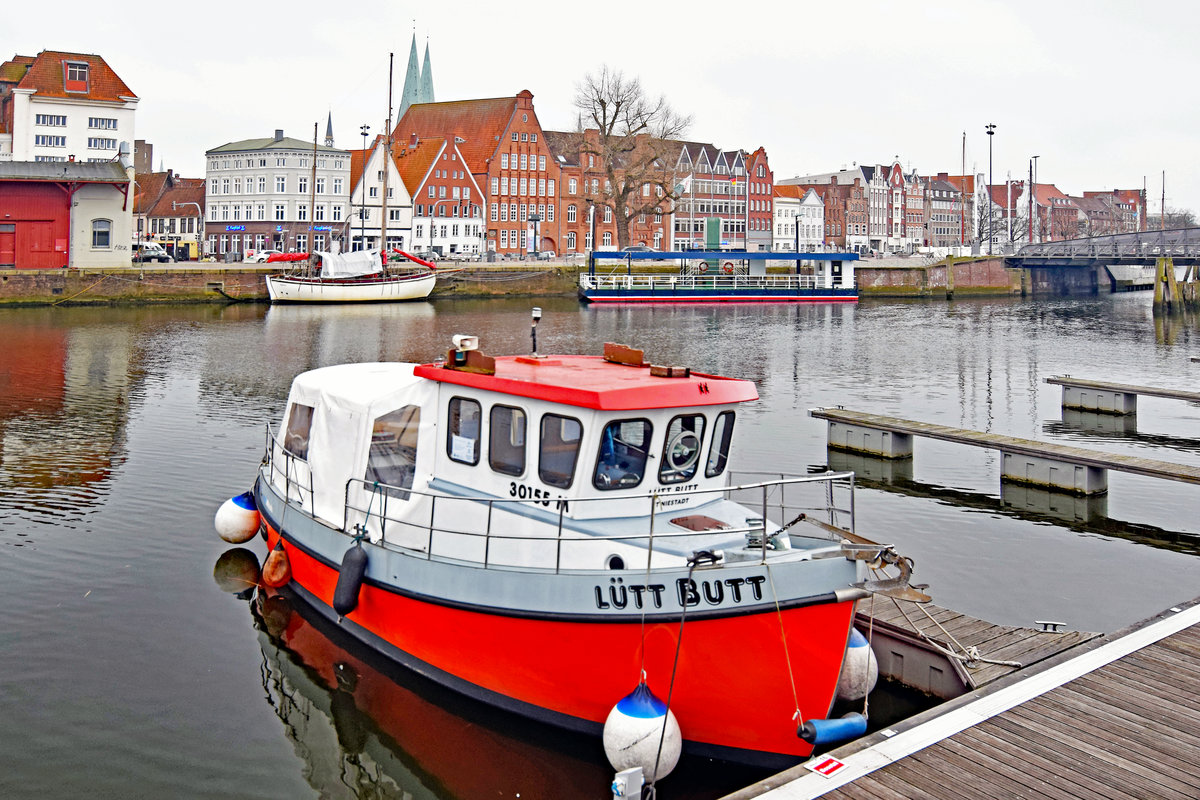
(467, 177)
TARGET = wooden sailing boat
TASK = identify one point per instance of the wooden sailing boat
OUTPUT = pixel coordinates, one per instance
(354, 277)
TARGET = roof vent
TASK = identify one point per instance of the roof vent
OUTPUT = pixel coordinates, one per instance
(279, 134)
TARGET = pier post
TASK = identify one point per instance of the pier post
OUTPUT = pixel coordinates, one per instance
(871, 441)
(1050, 473)
(1102, 401)
(1166, 288)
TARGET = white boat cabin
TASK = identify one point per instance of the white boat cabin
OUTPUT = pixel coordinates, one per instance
(558, 461)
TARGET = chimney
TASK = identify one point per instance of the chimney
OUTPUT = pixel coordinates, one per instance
(279, 134)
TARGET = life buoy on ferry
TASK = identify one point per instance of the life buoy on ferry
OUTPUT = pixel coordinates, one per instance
(703, 267)
(727, 268)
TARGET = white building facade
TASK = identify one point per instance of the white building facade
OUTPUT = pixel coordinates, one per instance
(367, 199)
(60, 106)
(277, 193)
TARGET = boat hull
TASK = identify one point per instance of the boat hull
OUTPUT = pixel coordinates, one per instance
(729, 672)
(747, 295)
(288, 289)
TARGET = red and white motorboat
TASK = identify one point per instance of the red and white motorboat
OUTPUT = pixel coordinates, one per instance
(546, 533)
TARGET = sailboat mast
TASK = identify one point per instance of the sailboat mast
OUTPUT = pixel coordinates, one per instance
(312, 204)
(387, 158)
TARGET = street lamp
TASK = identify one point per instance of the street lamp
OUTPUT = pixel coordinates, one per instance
(199, 223)
(991, 130)
(362, 186)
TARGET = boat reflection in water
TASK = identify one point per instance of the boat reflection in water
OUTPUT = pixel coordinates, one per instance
(365, 727)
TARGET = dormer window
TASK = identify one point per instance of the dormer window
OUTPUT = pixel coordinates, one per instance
(76, 77)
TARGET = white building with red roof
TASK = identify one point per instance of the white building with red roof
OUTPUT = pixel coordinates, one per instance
(59, 106)
(447, 200)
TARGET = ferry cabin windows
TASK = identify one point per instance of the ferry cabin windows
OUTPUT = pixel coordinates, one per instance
(718, 451)
(462, 435)
(506, 440)
(624, 448)
(392, 459)
(559, 450)
(681, 452)
(299, 425)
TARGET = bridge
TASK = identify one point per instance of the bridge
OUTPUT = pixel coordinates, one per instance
(1142, 247)
(1141, 260)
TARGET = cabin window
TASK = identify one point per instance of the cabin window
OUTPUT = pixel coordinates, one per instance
(506, 440)
(559, 450)
(718, 452)
(299, 425)
(462, 442)
(624, 448)
(392, 459)
(681, 453)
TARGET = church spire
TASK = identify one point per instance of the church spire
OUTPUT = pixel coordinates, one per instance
(329, 131)
(426, 93)
(412, 81)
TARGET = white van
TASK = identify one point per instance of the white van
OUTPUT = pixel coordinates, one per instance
(151, 251)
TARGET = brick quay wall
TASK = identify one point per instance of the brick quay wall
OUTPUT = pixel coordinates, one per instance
(212, 284)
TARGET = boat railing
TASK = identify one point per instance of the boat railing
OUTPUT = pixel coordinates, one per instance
(665, 283)
(453, 526)
(297, 488)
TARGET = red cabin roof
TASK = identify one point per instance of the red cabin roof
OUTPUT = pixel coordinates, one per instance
(592, 382)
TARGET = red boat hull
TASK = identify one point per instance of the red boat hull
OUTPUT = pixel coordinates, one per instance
(733, 687)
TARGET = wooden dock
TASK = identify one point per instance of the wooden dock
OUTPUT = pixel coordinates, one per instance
(1106, 397)
(1044, 457)
(1116, 717)
(946, 654)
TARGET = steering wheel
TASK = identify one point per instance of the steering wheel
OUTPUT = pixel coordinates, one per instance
(683, 450)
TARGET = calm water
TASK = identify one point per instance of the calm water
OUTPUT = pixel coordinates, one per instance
(127, 671)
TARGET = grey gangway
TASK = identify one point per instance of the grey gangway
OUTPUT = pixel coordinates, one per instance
(1053, 466)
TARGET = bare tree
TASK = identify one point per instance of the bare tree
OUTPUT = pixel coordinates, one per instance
(631, 141)
(1175, 218)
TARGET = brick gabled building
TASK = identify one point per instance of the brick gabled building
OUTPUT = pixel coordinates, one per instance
(502, 143)
(60, 106)
(447, 200)
(581, 187)
(167, 210)
(760, 197)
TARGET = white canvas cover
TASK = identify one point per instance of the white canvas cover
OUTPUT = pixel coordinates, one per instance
(351, 264)
(346, 400)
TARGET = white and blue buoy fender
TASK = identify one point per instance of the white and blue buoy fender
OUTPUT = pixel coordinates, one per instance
(860, 669)
(237, 519)
(634, 729)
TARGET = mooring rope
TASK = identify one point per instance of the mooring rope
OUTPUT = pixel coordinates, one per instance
(969, 655)
(787, 657)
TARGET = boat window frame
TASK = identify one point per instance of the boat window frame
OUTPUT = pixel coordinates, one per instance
(292, 430)
(524, 446)
(570, 477)
(450, 429)
(647, 455)
(689, 470)
(726, 444)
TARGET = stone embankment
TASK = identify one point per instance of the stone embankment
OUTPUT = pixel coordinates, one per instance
(187, 283)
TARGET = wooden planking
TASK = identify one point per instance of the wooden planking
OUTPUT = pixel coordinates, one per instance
(996, 642)
(1011, 444)
(1130, 728)
(1127, 388)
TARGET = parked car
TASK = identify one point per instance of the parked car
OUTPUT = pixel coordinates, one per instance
(546, 255)
(151, 251)
(261, 256)
(637, 248)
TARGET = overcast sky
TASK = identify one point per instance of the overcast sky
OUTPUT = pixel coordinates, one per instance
(1104, 92)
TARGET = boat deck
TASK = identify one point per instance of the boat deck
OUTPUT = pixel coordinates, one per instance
(1117, 717)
